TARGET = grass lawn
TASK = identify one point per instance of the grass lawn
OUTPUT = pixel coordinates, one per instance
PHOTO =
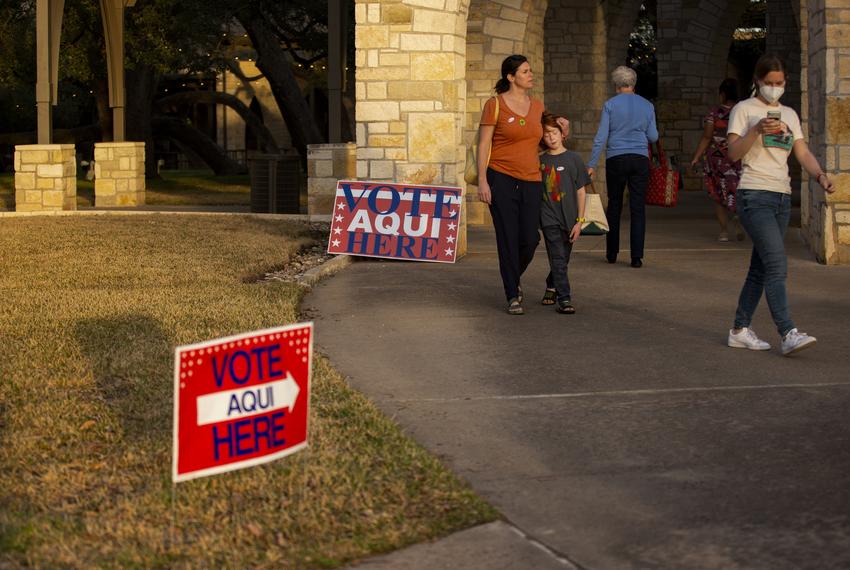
(90, 311)
(176, 187)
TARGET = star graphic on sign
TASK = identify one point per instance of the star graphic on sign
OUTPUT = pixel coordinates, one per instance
(452, 226)
(449, 251)
(337, 231)
(339, 218)
(340, 206)
(452, 213)
(335, 243)
(450, 239)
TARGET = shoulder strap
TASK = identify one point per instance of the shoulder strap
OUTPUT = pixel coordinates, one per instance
(497, 108)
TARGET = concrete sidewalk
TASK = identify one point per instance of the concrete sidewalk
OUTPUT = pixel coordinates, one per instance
(627, 435)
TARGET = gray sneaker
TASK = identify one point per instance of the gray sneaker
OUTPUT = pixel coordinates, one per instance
(747, 338)
(795, 341)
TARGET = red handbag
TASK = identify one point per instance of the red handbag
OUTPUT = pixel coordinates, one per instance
(663, 187)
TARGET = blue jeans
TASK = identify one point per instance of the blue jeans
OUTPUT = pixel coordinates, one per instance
(765, 215)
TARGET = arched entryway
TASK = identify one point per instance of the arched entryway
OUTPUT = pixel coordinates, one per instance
(423, 73)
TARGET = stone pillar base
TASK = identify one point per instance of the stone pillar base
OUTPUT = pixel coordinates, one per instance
(45, 177)
(119, 174)
(326, 165)
(826, 222)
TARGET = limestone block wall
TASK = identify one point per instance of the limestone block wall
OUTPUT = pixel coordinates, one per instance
(410, 60)
(326, 165)
(620, 18)
(693, 47)
(577, 66)
(45, 177)
(119, 174)
(496, 29)
(827, 223)
(411, 95)
(585, 41)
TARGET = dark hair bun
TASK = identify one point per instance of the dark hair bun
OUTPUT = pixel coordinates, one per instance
(509, 67)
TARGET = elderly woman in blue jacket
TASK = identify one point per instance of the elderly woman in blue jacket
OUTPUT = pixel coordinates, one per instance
(628, 126)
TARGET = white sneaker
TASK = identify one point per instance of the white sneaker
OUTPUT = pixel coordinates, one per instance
(747, 338)
(795, 341)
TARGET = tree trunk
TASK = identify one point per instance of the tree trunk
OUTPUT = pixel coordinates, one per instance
(217, 98)
(209, 151)
(142, 82)
(104, 111)
(274, 64)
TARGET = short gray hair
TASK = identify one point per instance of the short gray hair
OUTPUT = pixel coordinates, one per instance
(624, 77)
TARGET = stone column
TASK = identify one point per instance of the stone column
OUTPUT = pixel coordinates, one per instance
(802, 8)
(411, 93)
(578, 71)
(496, 29)
(693, 49)
(326, 165)
(45, 177)
(119, 174)
(783, 39)
(827, 227)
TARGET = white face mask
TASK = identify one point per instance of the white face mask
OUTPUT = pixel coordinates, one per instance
(771, 93)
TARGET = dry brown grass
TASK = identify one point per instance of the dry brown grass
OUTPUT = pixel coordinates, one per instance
(90, 311)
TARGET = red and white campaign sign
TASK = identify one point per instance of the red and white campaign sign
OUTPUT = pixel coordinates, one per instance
(396, 221)
(241, 401)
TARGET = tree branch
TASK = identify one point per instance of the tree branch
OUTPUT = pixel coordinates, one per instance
(253, 122)
(210, 152)
(237, 71)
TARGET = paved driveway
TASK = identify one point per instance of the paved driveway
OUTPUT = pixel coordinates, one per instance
(627, 435)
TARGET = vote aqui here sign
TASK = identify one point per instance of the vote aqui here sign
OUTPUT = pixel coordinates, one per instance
(241, 401)
(396, 221)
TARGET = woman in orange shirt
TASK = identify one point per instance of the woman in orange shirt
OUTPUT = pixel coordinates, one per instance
(510, 181)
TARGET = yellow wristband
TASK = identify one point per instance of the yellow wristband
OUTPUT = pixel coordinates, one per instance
(581, 220)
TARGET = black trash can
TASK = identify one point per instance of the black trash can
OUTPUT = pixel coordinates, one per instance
(276, 182)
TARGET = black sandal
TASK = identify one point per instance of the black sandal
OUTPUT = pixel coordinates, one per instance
(549, 297)
(565, 308)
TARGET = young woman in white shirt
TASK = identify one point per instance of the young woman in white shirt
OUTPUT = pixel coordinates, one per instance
(762, 133)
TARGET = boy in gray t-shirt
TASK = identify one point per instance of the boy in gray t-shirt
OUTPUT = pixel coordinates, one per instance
(562, 211)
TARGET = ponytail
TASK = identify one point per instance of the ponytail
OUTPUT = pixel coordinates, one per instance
(509, 67)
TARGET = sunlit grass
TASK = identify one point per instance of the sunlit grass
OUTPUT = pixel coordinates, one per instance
(91, 309)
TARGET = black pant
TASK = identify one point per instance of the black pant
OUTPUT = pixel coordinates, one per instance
(515, 207)
(558, 248)
(631, 169)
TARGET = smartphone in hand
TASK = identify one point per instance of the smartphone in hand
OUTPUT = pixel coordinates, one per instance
(779, 139)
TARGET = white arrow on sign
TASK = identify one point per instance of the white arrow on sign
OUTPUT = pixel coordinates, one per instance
(247, 402)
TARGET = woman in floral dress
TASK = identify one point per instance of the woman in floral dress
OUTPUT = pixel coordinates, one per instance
(721, 174)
